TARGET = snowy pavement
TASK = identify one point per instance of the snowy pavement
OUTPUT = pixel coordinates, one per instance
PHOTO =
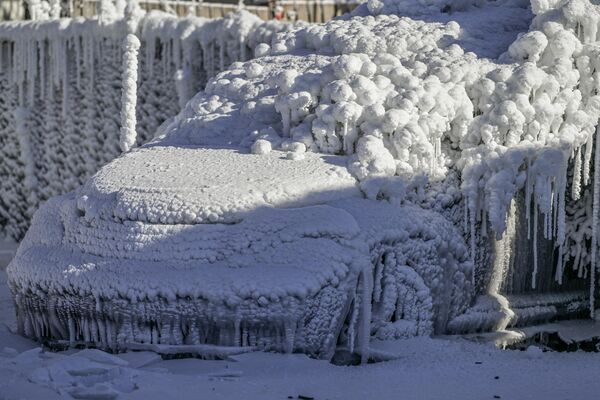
(424, 369)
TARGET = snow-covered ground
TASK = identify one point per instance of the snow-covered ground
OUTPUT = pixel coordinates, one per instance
(423, 368)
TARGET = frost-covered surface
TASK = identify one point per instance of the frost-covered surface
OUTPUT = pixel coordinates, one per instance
(421, 271)
(60, 85)
(487, 27)
(128, 134)
(279, 280)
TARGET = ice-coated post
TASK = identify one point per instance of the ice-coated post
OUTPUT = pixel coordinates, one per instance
(131, 46)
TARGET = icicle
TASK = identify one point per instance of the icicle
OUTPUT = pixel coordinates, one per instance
(177, 334)
(221, 54)
(528, 194)
(596, 200)
(290, 329)
(212, 59)
(78, 61)
(165, 332)
(22, 115)
(177, 53)
(547, 225)
(560, 221)
(377, 283)
(535, 255)
(165, 59)
(364, 334)
(472, 214)
(91, 62)
(466, 214)
(102, 331)
(237, 334)
(587, 160)
(245, 337)
(94, 331)
(352, 323)
(194, 334)
(576, 184)
(32, 70)
(483, 223)
(285, 120)
(86, 329)
(42, 61)
(556, 193)
(242, 49)
(72, 332)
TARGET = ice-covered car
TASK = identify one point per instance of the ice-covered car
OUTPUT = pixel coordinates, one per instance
(324, 192)
(176, 245)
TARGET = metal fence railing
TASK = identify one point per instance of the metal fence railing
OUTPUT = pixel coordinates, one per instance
(88, 8)
(11, 10)
(305, 10)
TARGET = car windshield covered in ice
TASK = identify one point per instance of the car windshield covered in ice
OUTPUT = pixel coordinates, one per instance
(373, 176)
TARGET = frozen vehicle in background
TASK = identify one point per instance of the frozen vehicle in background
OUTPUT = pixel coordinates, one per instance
(363, 177)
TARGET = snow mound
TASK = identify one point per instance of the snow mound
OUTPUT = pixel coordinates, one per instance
(488, 27)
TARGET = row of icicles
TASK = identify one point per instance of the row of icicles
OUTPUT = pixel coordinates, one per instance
(548, 195)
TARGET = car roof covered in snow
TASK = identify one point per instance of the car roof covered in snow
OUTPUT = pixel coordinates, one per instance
(178, 185)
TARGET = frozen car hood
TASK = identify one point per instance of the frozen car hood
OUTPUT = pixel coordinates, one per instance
(177, 185)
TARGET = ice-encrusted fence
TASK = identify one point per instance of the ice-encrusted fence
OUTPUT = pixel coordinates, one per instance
(60, 93)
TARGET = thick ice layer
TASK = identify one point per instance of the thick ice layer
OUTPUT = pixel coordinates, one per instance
(305, 279)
